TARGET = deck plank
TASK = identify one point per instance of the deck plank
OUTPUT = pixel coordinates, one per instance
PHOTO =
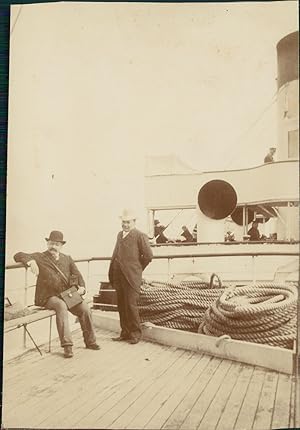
(105, 387)
(293, 422)
(101, 408)
(281, 413)
(247, 412)
(72, 371)
(228, 417)
(164, 412)
(178, 416)
(120, 415)
(109, 378)
(200, 407)
(159, 381)
(159, 399)
(58, 375)
(128, 415)
(142, 386)
(264, 412)
(215, 409)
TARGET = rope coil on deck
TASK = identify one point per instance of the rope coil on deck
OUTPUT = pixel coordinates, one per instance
(260, 313)
(180, 306)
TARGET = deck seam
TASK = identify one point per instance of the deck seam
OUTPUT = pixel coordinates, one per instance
(154, 381)
(174, 388)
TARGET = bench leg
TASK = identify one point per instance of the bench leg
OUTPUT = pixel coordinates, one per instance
(50, 333)
(27, 331)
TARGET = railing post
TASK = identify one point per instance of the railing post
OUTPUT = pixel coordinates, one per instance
(253, 269)
(88, 277)
(26, 287)
(24, 337)
(169, 267)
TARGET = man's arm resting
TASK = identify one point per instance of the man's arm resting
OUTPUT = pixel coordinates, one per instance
(145, 251)
(22, 257)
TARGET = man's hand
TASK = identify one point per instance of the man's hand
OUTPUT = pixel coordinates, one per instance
(33, 267)
(81, 290)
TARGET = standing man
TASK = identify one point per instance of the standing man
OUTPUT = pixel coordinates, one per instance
(54, 272)
(269, 158)
(131, 256)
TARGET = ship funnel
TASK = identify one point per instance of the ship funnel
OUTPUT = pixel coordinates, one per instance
(217, 199)
(237, 216)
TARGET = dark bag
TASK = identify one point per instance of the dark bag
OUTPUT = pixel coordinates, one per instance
(71, 297)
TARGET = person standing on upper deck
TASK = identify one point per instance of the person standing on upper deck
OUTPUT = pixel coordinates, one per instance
(269, 158)
(131, 255)
(53, 269)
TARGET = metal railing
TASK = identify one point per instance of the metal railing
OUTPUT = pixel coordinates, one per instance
(169, 257)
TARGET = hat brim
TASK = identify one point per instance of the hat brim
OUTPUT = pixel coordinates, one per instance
(127, 218)
(61, 241)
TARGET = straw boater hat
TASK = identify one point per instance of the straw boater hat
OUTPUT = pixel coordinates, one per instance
(56, 236)
(127, 215)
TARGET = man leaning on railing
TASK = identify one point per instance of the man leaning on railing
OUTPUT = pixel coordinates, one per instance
(57, 273)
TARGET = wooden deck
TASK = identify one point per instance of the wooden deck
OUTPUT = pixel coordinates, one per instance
(142, 386)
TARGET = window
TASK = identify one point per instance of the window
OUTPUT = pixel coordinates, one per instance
(293, 144)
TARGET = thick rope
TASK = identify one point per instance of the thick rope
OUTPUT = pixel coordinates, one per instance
(263, 313)
(181, 306)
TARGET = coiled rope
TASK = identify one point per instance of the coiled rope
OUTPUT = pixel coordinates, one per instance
(263, 313)
(181, 306)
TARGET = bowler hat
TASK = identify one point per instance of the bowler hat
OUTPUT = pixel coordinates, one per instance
(127, 215)
(56, 236)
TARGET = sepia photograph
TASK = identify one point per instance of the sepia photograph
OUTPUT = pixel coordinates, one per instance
(152, 216)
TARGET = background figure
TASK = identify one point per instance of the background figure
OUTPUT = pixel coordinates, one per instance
(186, 234)
(254, 232)
(159, 232)
(269, 157)
(131, 256)
(229, 237)
(47, 266)
(195, 233)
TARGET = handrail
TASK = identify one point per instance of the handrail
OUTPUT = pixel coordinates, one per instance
(235, 242)
(199, 172)
(192, 255)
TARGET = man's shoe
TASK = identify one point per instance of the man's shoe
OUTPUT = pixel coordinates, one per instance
(133, 340)
(94, 346)
(119, 339)
(68, 353)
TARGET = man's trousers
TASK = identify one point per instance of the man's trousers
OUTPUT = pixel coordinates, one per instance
(127, 305)
(82, 311)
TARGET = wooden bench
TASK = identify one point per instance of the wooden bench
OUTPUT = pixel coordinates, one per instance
(38, 314)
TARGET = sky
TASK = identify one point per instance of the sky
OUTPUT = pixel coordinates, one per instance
(96, 87)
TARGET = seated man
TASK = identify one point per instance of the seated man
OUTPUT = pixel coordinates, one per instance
(229, 237)
(159, 232)
(54, 271)
(254, 232)
(186, 234)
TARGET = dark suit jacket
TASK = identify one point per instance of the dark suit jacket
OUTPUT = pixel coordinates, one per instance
(133, 254)
(49, 282)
